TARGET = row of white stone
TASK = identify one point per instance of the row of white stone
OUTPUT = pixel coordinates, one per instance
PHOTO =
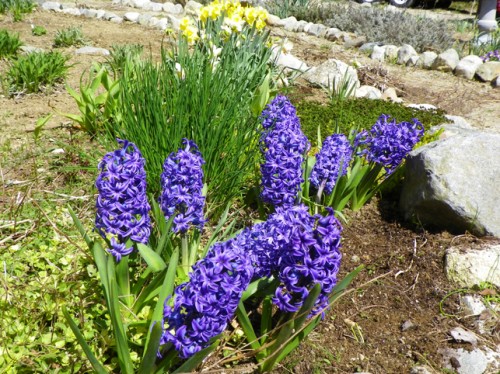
(469, 67)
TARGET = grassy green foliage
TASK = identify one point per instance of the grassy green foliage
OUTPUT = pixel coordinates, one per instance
(480, 49)
(9, 43)
(71, 36)
(198, 95)
(359, 113)
(17, 8)
(36, 71)
(38, 30)
(121, 55)
(380, 25)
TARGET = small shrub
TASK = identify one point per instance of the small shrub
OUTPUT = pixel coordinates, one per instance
(287, 8)
(379, 25)
(71, 36)
(38, 30)
(9, 43)
(357, 114)
(17, 8)
(34, 71)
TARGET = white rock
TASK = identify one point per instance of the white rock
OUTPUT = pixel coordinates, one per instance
(51, 5)
(332, 73)
(92, 51)
(100, 13)
(333, 34)
(288, 61)
(473, 362)
(317, 30)
(162, 24)
(446, 61)
(378, 53)
(404, 54)
(421, 370)
(412, 61)
(496, 82)
(153, 21)
(174, 22)
(71, 11)
(30, 49)
(422, 106)
(192, 8)
(427, 59)
(488, 71)
(273, 20)
(473, 305)
(139, 3)
(144, 19)
(153, 7)
(300, 26)
(172, 8)
(108, 16)
(57, 151)
(89, 13)
(391, 52)
(467, 67)
(390, 94)
(369, 92)
(116, 20)
(463, 336)
(131, 16)
(472, 267)
(289, 23)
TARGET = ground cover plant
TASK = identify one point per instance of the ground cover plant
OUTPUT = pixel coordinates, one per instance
(71, 36)
(47, 266)
(36, 71)
(9, 44)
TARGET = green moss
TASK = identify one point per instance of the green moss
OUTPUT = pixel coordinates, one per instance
(356, 114)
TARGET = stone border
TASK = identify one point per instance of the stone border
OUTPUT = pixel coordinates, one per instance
(469, 67)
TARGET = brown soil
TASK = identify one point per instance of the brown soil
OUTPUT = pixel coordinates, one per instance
(404, 278)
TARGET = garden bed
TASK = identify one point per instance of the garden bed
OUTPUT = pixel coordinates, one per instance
(403, 283)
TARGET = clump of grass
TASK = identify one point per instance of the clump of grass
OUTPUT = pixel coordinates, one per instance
(17, 8)
(9, 43)
(36, 71)
(287, 8)
(38, 30)
(71, 36)
(380, 25)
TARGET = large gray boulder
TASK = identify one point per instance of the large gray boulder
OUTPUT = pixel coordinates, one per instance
(454, 184)
(333, 74)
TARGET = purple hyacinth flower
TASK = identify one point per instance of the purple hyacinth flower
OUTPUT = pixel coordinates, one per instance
(122, 204)
(331, 162)
(283, 145)
(182, 185)
(298, 249)
(203, 306)
(388, 142)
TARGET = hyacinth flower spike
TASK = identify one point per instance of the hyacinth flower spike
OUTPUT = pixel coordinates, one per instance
(284, 146)
(332, 163)
(122, 206)
(182, 195)
(384, 146)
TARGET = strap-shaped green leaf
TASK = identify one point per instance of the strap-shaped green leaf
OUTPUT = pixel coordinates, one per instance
(81, 340)
(149, 358)
(246, 326)
(152, 258)
(80, 228)
(194, 361)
